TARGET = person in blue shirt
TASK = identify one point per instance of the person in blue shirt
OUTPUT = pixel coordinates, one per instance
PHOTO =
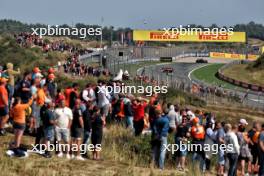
(160, 129)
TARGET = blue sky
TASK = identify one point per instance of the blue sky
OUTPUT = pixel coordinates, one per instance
(147, 14)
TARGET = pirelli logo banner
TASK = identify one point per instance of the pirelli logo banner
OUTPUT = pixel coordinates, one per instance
(149, 35)
(233, 56)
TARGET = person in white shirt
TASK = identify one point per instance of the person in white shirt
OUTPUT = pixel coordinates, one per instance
(233, 151)
(88, 94)
(104, 100)
(63, 120)
(173, 116)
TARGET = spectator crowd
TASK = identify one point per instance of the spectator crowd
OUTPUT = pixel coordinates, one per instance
(77, 116)
(74, 116)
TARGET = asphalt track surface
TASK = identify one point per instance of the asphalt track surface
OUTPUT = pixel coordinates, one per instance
(182, 70)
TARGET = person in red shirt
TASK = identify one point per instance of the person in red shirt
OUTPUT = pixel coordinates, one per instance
(3, 105)
(139, 106)
(67, 93)
(60, 96)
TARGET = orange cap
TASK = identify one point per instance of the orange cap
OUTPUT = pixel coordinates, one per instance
(51, 76)
(195, 120)
(51, 70)
(3, 79)
(36, 70)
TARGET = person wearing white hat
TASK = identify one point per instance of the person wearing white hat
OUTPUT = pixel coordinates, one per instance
(243, 122)
(243, 139)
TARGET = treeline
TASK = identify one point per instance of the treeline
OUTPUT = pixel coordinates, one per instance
(252, 29)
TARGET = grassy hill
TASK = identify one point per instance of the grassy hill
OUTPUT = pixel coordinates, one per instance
(26, 58)
(251, 73)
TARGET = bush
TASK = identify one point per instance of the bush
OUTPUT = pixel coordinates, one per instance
(258, 64)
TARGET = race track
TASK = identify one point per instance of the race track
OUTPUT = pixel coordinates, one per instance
(182, 69)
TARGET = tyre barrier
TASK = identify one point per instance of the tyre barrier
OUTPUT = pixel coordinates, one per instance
(245, 85)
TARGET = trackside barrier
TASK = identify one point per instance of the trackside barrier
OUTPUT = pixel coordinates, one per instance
(245, 85)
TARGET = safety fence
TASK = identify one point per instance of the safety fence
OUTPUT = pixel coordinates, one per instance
(128, 60)
(209, 93)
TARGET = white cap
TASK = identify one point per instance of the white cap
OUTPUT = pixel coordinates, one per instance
(243, 122)
(39, 75)
(191, 114)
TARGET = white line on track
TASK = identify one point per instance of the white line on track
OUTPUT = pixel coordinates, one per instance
(189, 74)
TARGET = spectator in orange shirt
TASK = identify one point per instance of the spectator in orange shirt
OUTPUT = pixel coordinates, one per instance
(41, 95)
(3, 105)
(19, 117)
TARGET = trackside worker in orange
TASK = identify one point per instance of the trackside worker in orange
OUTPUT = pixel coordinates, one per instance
(18, 113)
(198, 136)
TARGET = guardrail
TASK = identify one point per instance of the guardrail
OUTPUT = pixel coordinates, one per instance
(253, 87)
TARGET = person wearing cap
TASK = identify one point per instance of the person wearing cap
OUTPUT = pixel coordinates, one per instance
(36, 71)
(3, 104)
(11, 81)
(261, 151)
(161, 130)
(190, 114)
(233, 152)
(198, 136)
(52, 85)
(243, 140)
